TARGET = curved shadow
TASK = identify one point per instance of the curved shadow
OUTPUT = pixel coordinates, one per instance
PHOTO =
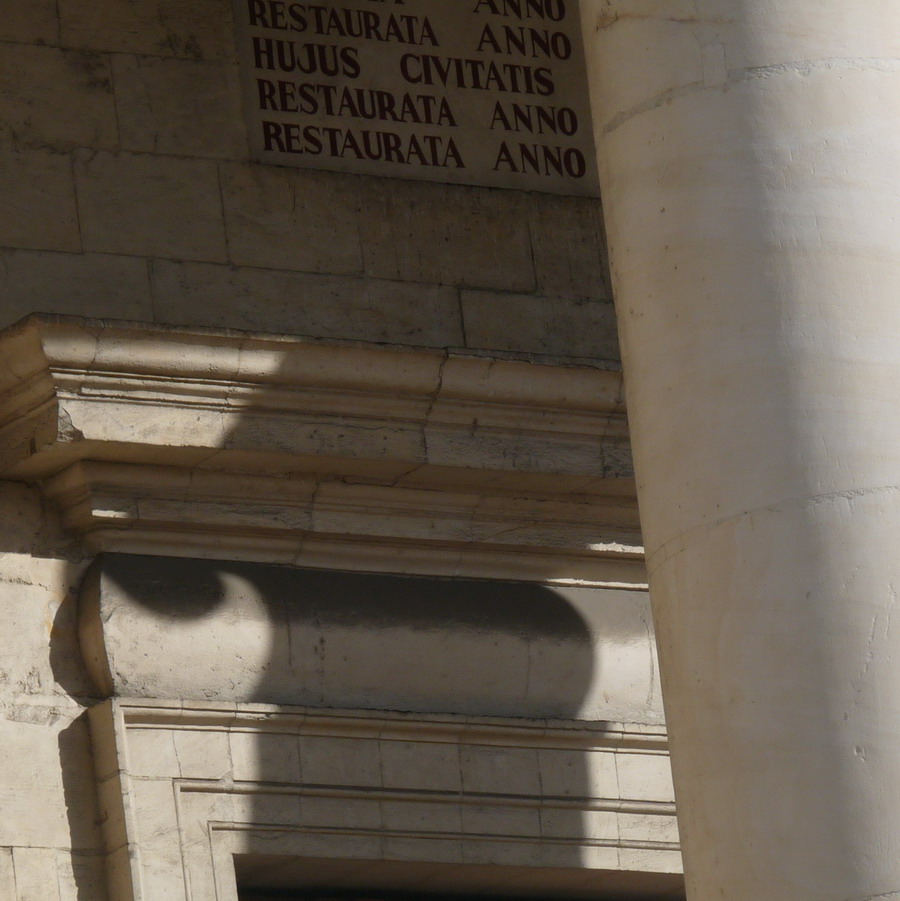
(377, 642)
(358, 640)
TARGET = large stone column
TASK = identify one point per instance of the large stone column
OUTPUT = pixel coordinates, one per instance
(750, 158)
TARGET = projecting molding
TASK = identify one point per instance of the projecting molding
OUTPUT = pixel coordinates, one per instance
(206, 443)
(201, 800)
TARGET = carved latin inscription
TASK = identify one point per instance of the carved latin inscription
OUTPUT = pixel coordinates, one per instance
(483, 92)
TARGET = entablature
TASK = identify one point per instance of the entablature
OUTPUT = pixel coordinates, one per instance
(202, 442)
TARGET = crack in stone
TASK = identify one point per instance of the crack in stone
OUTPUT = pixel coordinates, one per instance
(737, 76)
(807, 66)
(882, 897)
(426, 419)
(653, 103)
(661, 555)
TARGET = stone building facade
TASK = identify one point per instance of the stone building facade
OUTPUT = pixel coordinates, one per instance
(320, 556)
(321, 566)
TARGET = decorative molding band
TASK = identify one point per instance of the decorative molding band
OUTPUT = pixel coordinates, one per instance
(512, 732)
(337, 523)
(205, 443)
(187, 789)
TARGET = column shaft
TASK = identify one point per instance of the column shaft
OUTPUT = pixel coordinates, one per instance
(750, 161)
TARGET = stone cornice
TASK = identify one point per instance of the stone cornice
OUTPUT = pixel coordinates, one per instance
(580, 735)
(285, 449)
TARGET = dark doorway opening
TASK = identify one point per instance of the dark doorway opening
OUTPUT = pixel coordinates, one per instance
(277, 878)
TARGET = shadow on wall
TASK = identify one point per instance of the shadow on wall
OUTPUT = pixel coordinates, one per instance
(242, 632)
(225, 631)
(273, 634)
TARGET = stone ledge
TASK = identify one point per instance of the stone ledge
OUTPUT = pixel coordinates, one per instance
(203, 442)
(579, 735)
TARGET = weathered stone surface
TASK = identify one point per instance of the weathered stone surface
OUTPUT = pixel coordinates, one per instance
(286, 219)
(32, 789)
(530, 461)
(324, 306)
(157, 206)
(176, 101)
(401, 459)
(7, 873)
(569, 249)
(540, 325)
(457, 236)
(409, 764)
(183, 107)
(199, 29)
(36, 874)
(33, 22)
(38, 194)
(90, 284)
(69, 101)
(81, 875)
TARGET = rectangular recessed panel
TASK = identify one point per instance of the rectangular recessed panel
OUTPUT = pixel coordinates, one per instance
(479, 92)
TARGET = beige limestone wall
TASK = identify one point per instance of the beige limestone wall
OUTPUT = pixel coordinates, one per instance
(124, 167)
(49, 840)
(127, 193)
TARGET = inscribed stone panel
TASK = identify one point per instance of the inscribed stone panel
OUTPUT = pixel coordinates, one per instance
(484, 92)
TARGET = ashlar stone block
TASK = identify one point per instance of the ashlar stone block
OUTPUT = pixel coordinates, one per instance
(153, 753)
(447, 234)
(7, 873)
(183, 107)
(645, 777)
(66, 101)
(421, 765)
(200, 29)
(269, 758)
(340, 813)
(93, 284)
(440, 851)
(540, 325)
(337, 761)
(162, 853)
(292, 219)
(576, 774)
(36, 876)
(571, 824)
(25, 664)
(39, 201)
(506, 770)
(81, 876)
(324, 306)
(656, 828)
(31, 788)
(158, 206)
(32, 22)
(569, 248)
(419, 816)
